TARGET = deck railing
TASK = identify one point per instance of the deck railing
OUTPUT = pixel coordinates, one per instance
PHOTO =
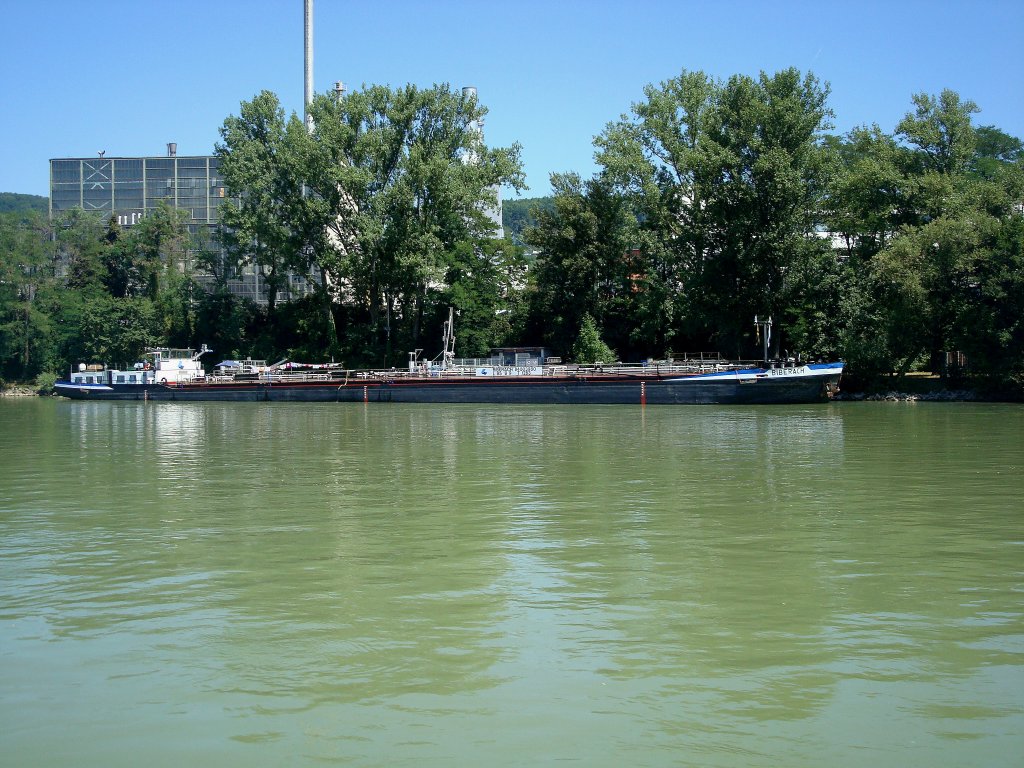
(652, 369)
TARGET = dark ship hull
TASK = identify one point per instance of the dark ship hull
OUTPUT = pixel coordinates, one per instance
(804, 384)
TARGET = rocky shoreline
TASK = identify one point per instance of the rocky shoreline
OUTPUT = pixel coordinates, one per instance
(939, 396)
(19, 391)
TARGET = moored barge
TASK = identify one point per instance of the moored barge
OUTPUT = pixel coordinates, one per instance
(177, 375)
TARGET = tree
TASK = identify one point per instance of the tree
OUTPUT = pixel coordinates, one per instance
(728, 180)
(81, 243)
(106, 330)
(26, 277)
(959, 217)
(868, 198)
(517, 215)
(159, 248)
(483, 285)
(869, 204)
(89, 291)
(584, 268)
(147, 259)
(223, 321)
(389, 184)
(940, 128)
(995, 152)
(921, 213)
(589, 348)
(262, 177)
(993, 323)
(399, 178)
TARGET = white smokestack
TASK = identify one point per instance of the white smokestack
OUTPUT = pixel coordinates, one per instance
(308, 30)
(493, 211)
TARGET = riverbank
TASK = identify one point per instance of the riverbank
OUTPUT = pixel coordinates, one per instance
(938, 396)
(18, 390)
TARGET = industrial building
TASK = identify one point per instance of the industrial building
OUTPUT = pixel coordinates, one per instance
(130, 187)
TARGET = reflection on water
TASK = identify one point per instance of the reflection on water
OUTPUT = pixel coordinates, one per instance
(275, 583)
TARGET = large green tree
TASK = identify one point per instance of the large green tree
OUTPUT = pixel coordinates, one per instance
(83, 290)
(378, 197)
(728, 180)
(105, 330)
(82, 242)
(993, 322)
(584, 269)
(27, 279)
(484, 283)
(923, 214)
(401, 181)
(260, 161)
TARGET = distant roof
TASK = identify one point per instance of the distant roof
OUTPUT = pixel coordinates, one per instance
(136, 157)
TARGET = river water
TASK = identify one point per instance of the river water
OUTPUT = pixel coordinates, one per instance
(385, 585)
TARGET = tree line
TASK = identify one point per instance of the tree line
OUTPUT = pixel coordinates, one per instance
(714, 201)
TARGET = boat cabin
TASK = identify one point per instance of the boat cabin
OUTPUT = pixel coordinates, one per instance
(519, 356)
(160, 365)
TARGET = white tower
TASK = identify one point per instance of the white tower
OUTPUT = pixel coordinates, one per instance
(493, 211)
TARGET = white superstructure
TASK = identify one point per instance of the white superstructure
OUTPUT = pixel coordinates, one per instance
(160, 365)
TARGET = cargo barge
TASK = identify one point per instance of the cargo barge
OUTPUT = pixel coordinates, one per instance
(178, 376)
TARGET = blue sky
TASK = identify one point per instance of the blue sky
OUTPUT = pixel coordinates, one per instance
(79, 76)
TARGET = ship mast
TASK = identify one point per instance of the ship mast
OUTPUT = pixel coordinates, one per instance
(764, 332)
(448, 339)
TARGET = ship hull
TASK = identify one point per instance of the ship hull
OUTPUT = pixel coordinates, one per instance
(744, 388)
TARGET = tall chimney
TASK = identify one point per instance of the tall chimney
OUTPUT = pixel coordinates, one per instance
(309, 62)
(172, 149)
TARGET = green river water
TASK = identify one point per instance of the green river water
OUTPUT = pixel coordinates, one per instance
(251, 584)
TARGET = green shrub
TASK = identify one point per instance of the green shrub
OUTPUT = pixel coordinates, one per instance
(45, 382)
(589, 348)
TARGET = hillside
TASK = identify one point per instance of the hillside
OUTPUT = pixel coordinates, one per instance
(13, 202)
(516, 215)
